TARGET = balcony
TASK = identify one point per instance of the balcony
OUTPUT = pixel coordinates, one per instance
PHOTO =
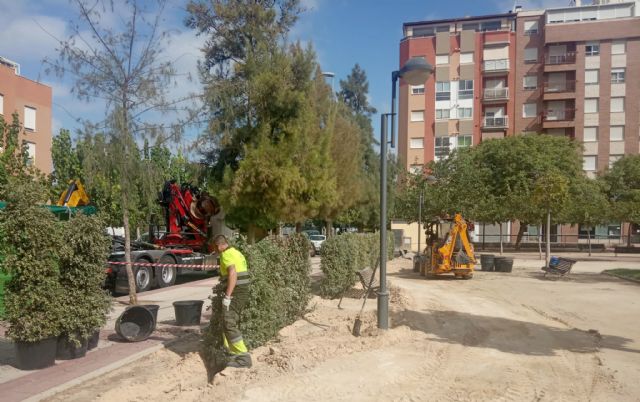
(495, 123)
(559, 90)
(495, 66)
(560, 62)
(495, 94)
(567, 58)
(558, 118)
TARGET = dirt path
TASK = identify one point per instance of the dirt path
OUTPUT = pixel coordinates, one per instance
(497, 337)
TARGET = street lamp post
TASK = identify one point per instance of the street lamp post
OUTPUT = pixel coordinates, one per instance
(415, 71)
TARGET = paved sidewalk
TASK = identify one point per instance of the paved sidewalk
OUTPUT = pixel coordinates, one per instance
(111, 353)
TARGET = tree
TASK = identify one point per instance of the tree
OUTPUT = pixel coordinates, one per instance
(66, 163)
(589, 205)
(122, 66)
(354, 93)
(623, 181)
(550, 193)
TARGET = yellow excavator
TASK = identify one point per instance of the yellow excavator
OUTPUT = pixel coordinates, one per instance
(74, 196)
(451, 254)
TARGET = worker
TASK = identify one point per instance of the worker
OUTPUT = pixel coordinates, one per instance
(235, 281)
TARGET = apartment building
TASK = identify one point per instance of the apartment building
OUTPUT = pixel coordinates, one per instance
(32, 101)
(563, 71)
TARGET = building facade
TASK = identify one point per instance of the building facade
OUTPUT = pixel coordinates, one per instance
(564, 71)
(32, 101)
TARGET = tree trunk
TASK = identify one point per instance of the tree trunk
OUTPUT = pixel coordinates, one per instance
(133, 298)
(589, 240)
(501, 246)
(629, 235)
(548, 248)
(484, 226)
(298, 227)
(328, 224)
(251, 233)
(540, 241)
(521, 230)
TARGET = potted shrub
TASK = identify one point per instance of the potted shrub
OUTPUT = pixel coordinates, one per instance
(85, 302)
(33, 296)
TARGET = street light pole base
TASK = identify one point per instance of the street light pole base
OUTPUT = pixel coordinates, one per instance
(383, 310)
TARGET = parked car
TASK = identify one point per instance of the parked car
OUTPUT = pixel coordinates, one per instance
(317, 240)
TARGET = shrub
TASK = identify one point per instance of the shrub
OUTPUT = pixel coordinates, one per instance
(280, 291)
(82, 264)
(33, 296)
(344, 255)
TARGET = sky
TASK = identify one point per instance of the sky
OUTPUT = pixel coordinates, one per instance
(342, 32)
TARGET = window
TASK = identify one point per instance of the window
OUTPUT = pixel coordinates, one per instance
(442, 59)
(616, 133)
(465, 141)
(417, 89)
(465, 89)
(466, 57)
(530, 82)
(531, 27)
(442, 146)
(31, 153)
(590, 134)
(1, 104)
(443, 90)
(617, 105)
(471, 27)
(465, 113)
(613, 159)
(442, 114)
(618, 47)
(417, 115)
(591, 76)
(529, 110)
(428, 31)
(442, 28)
(592, 49)
(416, 143)
(589, 163)
(530, 54)
(29, 118)
(591, 105)
(617, 75)
(491, 26)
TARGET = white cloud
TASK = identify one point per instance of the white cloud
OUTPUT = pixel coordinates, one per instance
(28, 39)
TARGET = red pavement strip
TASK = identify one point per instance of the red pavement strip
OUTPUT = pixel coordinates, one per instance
(65, 374)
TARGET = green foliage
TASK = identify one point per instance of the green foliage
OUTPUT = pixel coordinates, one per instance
(66, 163)
(4, 279)
(34, 295)
(280, 291)
(589, 205)
(82, 263)
(344, 255)
(623, 182)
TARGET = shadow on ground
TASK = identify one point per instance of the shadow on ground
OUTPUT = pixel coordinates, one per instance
(506, 335)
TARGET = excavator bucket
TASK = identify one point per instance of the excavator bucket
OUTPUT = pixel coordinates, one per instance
(74, 196)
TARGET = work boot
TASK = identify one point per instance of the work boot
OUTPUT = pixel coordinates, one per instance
(240, 361)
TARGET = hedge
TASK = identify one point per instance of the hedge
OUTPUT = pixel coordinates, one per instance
(280, 291)
(4, 278)
(344, 255)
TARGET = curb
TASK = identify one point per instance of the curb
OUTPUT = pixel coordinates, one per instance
(624, 278)
(95, 373)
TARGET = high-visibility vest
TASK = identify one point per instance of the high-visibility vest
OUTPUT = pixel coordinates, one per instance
(230, 257)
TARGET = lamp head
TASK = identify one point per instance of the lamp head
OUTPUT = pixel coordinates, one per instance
(416, 71)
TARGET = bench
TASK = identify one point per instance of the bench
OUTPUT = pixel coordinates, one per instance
(369, 281)
(559, 266)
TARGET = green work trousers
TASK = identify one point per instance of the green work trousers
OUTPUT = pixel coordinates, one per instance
(232, 336)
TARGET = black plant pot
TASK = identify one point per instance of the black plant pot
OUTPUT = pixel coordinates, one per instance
(68, 350)
(487, 262)
(93, 341)
(188, 312)
(36, 355)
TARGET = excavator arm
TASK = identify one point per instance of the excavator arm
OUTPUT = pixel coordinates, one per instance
(74, 195)
(457, 239)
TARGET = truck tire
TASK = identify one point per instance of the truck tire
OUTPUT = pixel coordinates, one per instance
(143, 276)
(166, 276)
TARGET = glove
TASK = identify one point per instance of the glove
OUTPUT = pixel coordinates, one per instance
(226, 302)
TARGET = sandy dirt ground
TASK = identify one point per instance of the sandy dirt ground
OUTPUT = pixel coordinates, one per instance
(497, 337)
